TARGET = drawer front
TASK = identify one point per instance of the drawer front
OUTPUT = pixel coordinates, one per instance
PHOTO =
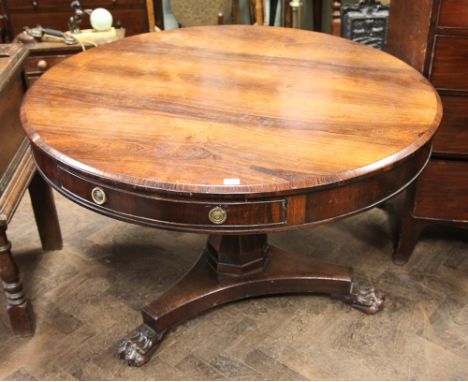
(159, 211)
(450, 63)
(39, 64)
(453, 13)
(452, 136)
(442, 191)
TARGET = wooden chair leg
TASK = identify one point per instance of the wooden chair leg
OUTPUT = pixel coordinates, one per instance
(45, 213)
(18, 307)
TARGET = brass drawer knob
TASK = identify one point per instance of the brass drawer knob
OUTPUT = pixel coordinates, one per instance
(217, 215)
(42, 64)
(98, 195)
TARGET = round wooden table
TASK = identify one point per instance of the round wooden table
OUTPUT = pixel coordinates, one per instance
(232, 131)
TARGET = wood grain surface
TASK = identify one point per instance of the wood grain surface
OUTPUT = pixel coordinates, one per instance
(189, 110)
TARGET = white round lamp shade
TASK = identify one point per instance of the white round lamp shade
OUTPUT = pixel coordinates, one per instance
(101, 19)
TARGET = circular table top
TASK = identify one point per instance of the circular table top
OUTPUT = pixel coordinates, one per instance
(231, 109)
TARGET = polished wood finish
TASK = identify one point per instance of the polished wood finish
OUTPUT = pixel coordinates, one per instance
(453, 13)
(45, 214)
(408, 31)
(16, 171)
(18, 306)
(254, 100)
(255, 135)
(336, 18)
(452, 138)
(433, 37)
(449, 69)
(442, 192)
(44, 55)
(129, 14)
(218, 277)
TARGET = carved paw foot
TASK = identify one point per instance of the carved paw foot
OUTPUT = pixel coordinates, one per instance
(367, 300)
(138, 348)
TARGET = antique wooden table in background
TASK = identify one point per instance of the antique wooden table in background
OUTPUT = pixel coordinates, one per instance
(232, 131)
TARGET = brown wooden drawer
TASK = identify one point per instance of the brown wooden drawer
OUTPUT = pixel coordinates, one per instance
(449, 68)
(39, 64)
(160, 211)
(61, 5)
(452, 137)
(130, 14)
(442, 191)
(453, 13)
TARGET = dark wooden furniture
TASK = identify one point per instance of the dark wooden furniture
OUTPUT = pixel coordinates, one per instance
(44, 55)
(17, 172)
(232, 131)
(432, 36)
(129, 14)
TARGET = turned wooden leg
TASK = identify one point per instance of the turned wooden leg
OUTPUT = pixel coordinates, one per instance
(408, 228)
(238, 267)
(336, 18)
(42, 201)
(18, 307)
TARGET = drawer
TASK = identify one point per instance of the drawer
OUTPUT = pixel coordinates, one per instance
(449, 69)
(61, 5)
(453, 13)
(452, 136)
(130, 14)
(442, 191)
(39, 64)
(160, 211)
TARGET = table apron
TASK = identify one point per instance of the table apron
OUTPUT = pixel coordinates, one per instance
(244, 213)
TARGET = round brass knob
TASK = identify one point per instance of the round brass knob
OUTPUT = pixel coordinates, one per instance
(98, 195)
(217, 215)
(42, 64)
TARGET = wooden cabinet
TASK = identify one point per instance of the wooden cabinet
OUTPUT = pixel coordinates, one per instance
(129, 14)
(17, 173)
(44, 55)
(432, 36)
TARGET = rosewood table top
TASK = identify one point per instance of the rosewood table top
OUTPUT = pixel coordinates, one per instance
(234, 131)
(231, 109)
